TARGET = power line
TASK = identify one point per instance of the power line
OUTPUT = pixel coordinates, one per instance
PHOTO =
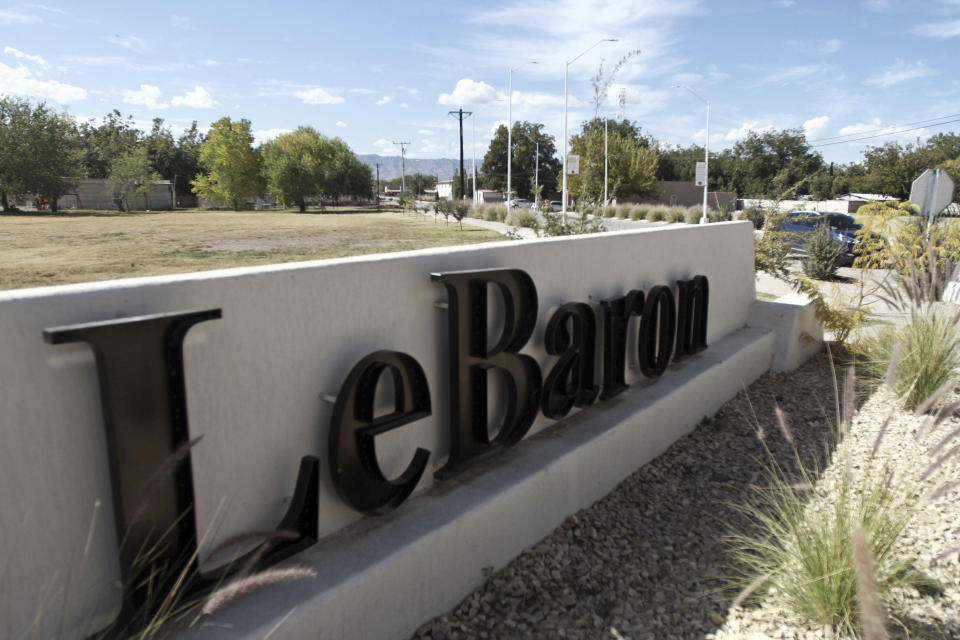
(883, 129)
(882, 135)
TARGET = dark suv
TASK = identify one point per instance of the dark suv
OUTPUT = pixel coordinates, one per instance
(842, 227)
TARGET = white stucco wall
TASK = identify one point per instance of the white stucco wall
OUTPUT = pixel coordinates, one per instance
(256, 380)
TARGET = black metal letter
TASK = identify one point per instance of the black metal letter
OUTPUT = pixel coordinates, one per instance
(471, 360)
(353, 459)
(144, 403)
(693, 296)
(616, 315)
(570, 381)
(657, 326)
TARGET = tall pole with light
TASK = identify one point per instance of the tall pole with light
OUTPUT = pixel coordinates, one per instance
(566, 70)
(606, 155)
(704, 219)
(510, 133)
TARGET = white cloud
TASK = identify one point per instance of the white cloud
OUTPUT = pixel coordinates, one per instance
(19, 81)
(317, 96)
(199, 98)
(902, 71)
(640, 99)
(147, 96)
(44, 7)
(404, 105)
(496, 125)
(386, 147)
(384, 100)
(943, 30)
(832, 45)
(265, 135)
(38, 60)
(816, 128)
(786, 3)
(425, 132)
(210, 63)
(13, 17)
(341, 123)
(133, 43)
(744, 129)
(468, 91)
(860, 127)
(536, 99)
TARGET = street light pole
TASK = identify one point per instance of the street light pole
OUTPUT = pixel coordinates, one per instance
(704, 219)
(566, 73)
(605, 163)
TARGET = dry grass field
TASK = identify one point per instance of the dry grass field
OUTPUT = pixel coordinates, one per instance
(47, 249)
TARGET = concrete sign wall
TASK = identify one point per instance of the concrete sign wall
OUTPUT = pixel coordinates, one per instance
(259, 383)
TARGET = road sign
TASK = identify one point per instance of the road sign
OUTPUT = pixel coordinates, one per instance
(932, 192)
(573, 165)
(701, 175)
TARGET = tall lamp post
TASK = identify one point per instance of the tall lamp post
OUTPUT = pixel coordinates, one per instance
(510, 132)
(706, 151)
(566, 70)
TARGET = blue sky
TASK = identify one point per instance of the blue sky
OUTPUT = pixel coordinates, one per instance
(378, 72)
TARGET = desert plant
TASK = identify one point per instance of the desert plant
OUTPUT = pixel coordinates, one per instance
(524, 218)
(756, 215)
(800, 545)
(657, 213)
(676, 214)
(460, 211)
(921, 356)
(639, 213)
(824, 255)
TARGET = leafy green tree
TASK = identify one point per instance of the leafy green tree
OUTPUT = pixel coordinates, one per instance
(774, 164)
(632, 162)
(15, 117)
(345, 175)
(294, 165)
(130, 178)
(420, 182)
(232, 167)
(40, 151)
(161, 150)
(102, 144)
(188, 158)
(530, 163)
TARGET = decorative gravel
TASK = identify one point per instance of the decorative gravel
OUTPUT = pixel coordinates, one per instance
(648, 560)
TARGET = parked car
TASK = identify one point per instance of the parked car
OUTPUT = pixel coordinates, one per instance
(843, 229)
(556, 205)
(521, 203)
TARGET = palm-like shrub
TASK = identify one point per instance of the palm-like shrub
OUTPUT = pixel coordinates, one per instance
(824, 255)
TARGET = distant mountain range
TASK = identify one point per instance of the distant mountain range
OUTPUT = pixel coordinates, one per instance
(390, 166)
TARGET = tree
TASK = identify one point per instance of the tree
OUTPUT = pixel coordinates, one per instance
(232, 167)
(294, 165)
(15, 117)
(632, 162)
(130, 176)
(104, 143)
(345, 175)
(774, 164)
(420, 182)
(526, 167)
(161, 150)
(188, 158)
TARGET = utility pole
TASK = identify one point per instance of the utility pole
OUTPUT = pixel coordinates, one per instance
(403, 166)
(459, 113)
(377, 196)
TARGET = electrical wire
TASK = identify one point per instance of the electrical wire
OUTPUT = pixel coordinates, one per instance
(881, 135)
(882, 129)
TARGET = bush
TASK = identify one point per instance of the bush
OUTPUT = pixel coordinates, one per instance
(693, 216)
(639, 213)
(800, 545)
(676, 214)
(824, 255)
(920, 357)
(756, 215)
(657, 213)
(524, 218)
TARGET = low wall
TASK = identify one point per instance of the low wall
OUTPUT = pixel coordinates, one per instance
(786, 206)
(265, 373)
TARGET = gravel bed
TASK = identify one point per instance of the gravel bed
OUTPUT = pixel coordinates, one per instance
(649, 560)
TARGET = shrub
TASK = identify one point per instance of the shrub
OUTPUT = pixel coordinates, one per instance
(676, 214)
(921, 356)
(756, 215)
(824, 255)
(639, 213)
(800, 545)
(524, 218)
(495, 212)
(657, 213)
(693, 216)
